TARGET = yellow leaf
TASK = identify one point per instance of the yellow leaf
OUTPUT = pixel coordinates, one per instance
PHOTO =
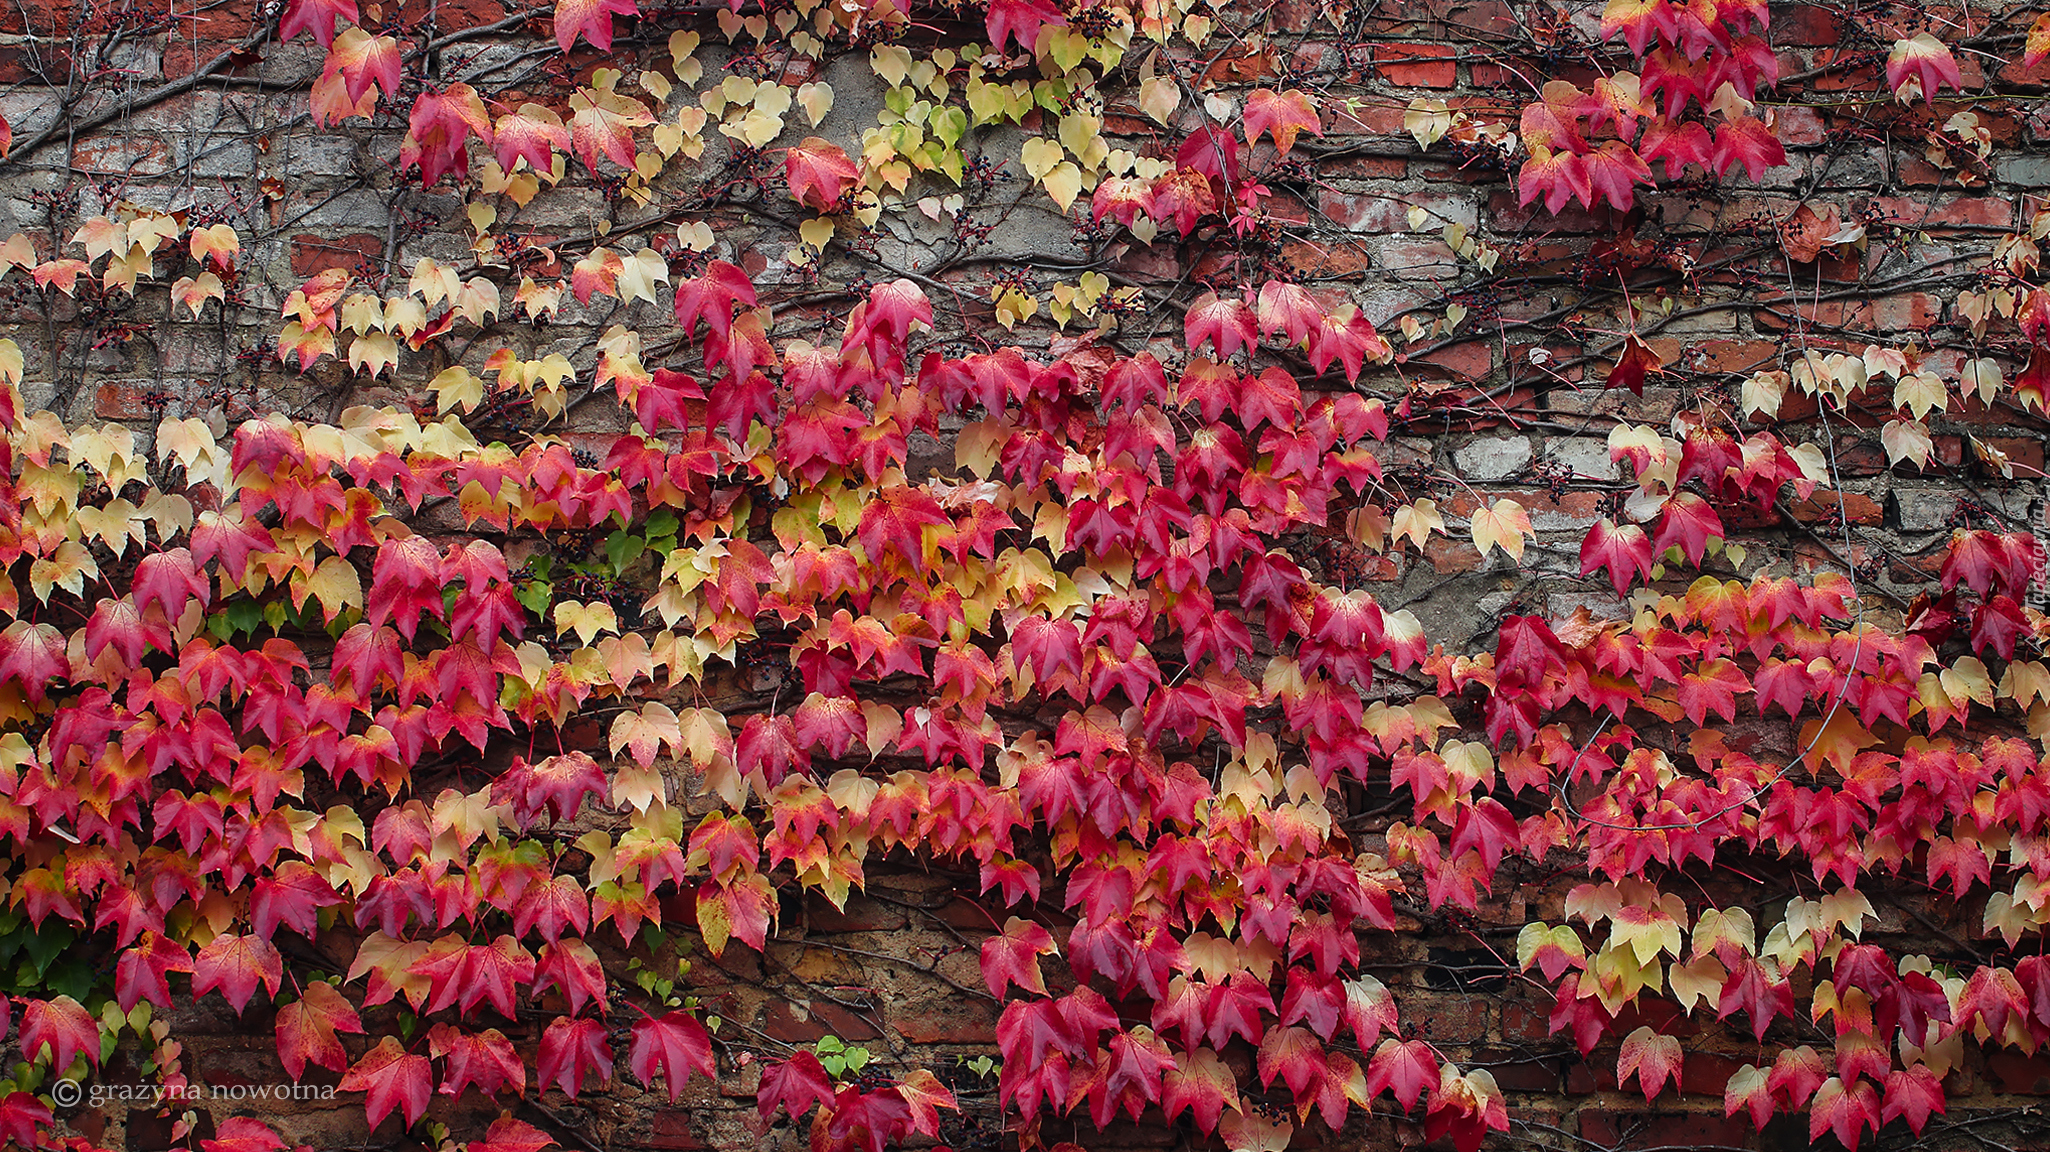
(1040, 155)
(1159, 96)
(1064, 183)
(816, 98)
(586, 620)
(335, 584)
(1503, 526)
(1417, 521)
(816, 232)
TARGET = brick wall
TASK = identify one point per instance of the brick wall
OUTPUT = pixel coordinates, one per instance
(196, 110)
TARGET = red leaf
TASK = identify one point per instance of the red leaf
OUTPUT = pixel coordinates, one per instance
(1747, 140)
(143, 970)
(572, 966)
(1022, 21)
(1624, 552)
(1225, 322)
(317, 17)
(1407, 1068)
(1012, 957)
(1282, 114)
(1636, 360)
(793, 1085)
(509, 1135)
(819, 173)
(391, 1078)
(1912, 1093)
(1652, 1057)
(1845, 1111)
(306, 1029)
(65, 1026)
(244, 1134)
(235, 965)
(572, 1048)
(592, 19)
(485, 1059)
(675, 1044)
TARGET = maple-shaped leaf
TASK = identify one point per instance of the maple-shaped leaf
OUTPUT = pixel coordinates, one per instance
(1749, 141)
(65, 1027)
(590, 18)
(509, 1135)
(1288, 308)
(292, 895)
(33, 656)
(532, 133)
(170, 580)
(1203, 1084)
(1224, 321)
(1630, 368)
(363, 60)
(245, 1134)
(1281, 114)
(1557, 176)
(819, 173)
(1624, 552)
(1925, 61)
(1012, 957)
(315, 16)
(571, 1049)
(1678, 143)
(307, 1027)
(1687, 523)
(235, 964)
(485, 1059)
(572, 966)
(1912, 1094)
(439, 129)
(21, 1115)
(793, 1085)
(1613, 172)
(1844, 1111)
(1022, 21)
(674, 1044)
(143, 971)
(1293, 1054)
(1407, 1068)
(1652, 1057)
(390, 1077)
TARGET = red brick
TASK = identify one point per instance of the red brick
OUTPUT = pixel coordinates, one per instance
(1978, 211)
(1417, 65)
(1807, 26)
(1448, 556)
(671, 1128)
(962, 1022)
(1447, 1018)
(1524, 1021)
(1367, 168)
(1706, 1073)
(1467, 360)
(312, 254)
(1743, 356)
(1915, 310)
(120, 402)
